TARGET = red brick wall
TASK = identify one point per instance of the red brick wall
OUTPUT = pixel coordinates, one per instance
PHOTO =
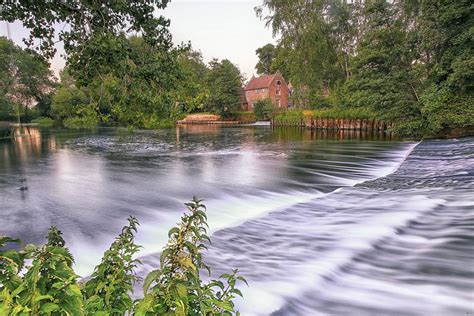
(279, 99)
(271, 92)
(254, 95)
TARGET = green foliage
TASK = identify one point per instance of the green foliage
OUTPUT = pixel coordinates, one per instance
(68, 102)
(410, 62)
(50, 287)
(25, 80)
(126, 79)
(266, 56)
(137, 90)
(109, 286)
(263, 109)
(176, 288)
(86, 20)
(137, 81)
(297, 117)
(306, 53)
(382, 80)
(193, 93)
(225, 81)
(289, 117)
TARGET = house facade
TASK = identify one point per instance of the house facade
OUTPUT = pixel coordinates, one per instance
(273, 87)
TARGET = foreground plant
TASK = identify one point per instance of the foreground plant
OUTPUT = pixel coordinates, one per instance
(113, 279)
(177, 288)
(50, 286)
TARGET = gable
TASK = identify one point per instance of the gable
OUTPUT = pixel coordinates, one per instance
(259, 82)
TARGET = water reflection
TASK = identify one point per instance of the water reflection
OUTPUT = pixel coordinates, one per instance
(26, 143)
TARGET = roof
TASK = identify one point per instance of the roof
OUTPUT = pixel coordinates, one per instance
(259, 82)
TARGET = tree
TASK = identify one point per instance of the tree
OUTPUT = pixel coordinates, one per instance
(266, 56)
(138, 89)
(67, 102)
(192, 93)
(25, 79)
(446, 45)
(307, 44)
(382, 78)
(84, 21)
(225, 83)
(129, 79)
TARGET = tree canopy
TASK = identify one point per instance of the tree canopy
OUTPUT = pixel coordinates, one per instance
(25, 80)
(225, 80)
(409, 61)
(266, 57)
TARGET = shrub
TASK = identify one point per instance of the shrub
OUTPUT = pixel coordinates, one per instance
(51, 287)
(263, 109)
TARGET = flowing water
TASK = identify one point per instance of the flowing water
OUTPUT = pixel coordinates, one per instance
(319, 223)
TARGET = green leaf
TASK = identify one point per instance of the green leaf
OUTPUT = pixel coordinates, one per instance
(49, 308)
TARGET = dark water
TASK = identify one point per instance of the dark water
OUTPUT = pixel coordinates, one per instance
(317, 222)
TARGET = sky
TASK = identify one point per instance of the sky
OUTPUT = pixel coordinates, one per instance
(218, 28)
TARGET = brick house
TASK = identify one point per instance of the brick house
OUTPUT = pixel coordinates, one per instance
(273, 87)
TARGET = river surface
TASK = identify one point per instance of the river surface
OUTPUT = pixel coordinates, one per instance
(319, 223)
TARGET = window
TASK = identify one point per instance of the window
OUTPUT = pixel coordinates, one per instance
(278, 82)
(278, 103)
(278, 92)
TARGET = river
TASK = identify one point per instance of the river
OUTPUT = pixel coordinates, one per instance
(319, 223)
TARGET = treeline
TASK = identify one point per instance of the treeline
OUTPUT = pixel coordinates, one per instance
(40, 280)
(121, 67)
(26, 83)
(411, 62)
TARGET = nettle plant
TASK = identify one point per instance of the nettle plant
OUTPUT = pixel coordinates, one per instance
(49, 286)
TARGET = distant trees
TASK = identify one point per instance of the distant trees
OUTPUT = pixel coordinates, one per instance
(225, 81)
(132, 83)
(410, 61)
(193, 92)
(25, 81)
(141, 81)
(266, 57)
(383, 79)
(129, 79)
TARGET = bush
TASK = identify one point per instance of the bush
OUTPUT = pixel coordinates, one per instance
(51, 287)
(263, 109)
(67, 101)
